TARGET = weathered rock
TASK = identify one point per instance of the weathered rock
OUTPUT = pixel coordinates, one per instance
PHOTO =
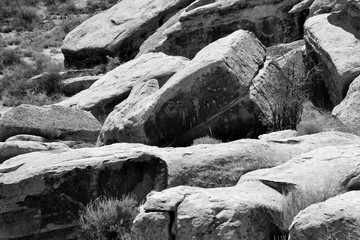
(348, 111)
(137, 98)
(25, 137)
(116, 85)
(50, 122)
(282, 49)
(278, 135)
(204, 22)
(119, 31)
(351, 180)
(211, 92)
(42, 193)
(14, 148)
(319, 6)
(336, 43)
(336, 218)
(240, 212)
(72, 86)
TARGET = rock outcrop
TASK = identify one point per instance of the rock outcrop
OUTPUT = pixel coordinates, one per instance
(204, 22)
(211, 92)
(50, 122)
(336, 218)
(335, 41)
(348, 111)
(116, 85)
(118, 31)
(42, 193)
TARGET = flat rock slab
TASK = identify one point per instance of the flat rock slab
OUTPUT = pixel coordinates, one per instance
(118, 31)
(71, 86)
(336, 43)
(49, 121)
(336, 218)
(116, 85)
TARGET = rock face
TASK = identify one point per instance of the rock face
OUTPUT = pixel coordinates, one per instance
(336, 43)
(49, 121)
(25, 137)
(336, 218)
(119, 31)
(14, 148)
(211, 92)
(319, 6)
(72, 86)
(205, 21)
(41, 199)
(116, 85)
(348, 111)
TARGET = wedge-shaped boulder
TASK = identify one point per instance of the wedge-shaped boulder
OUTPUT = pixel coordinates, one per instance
(204, 22)
(118, 31)
(116, 85)
(336, 218)
(210, 94)
(50, 122)
(42, 193)
(335, 41)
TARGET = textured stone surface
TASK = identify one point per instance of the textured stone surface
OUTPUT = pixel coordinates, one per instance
(57, 121)
(72, 86)
(204, 22)
(336, 43)
(42, 193)
(118, 31)
(211, 92)
(336, 218)
(348, 111)
(25, 137)
(116, 85)
(316, 7)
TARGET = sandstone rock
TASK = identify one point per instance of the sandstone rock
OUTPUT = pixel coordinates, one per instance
(319, 6)
(25, 137)
(205, 21)
(115, 86)
(14, 148)
(240, 212)
(336, 43)
(278, 135)
(351, 180)
(348, 111)
(72, 86)
(49, 121)
(211, 92)
(137, 98)
(119, 31)
(42, 193)
(336, 218)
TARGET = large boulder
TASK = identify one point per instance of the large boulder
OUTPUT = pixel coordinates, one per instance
(118, 31)
(42, 193)
(116, 85)
(210, 94)
(336, 218)
(335, 41)
(348, 111)
(205, 21)
(50, 122)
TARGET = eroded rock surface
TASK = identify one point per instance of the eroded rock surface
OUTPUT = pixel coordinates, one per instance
(49, 121)
(118, 31)
(116, 85)
(75, 85)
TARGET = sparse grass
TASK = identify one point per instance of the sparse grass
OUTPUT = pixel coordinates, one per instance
(108, 219)
(206, 140)
(50, 132)
(308, 127)
(9, 57)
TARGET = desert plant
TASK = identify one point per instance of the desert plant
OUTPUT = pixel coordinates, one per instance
(308, 127)
(206, 140)
(50, 132)
(25, 18)
(113, 62)
(9, 57)
(109, 218)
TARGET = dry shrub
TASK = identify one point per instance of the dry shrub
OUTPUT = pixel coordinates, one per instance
(206, 140)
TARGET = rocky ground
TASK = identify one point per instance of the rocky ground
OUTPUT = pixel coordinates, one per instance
(273, 83)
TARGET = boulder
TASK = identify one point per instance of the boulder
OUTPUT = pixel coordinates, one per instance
(336, 218)
(211, 92)
(204, 22)
(42, 193)
(276, 136)
(240, 212)
(316, 7)
(50, 122)
(116, 85)
(119, 31)
(25, 137)
(11, 149)
(348, 111)
(335, 42)
(75, 85)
